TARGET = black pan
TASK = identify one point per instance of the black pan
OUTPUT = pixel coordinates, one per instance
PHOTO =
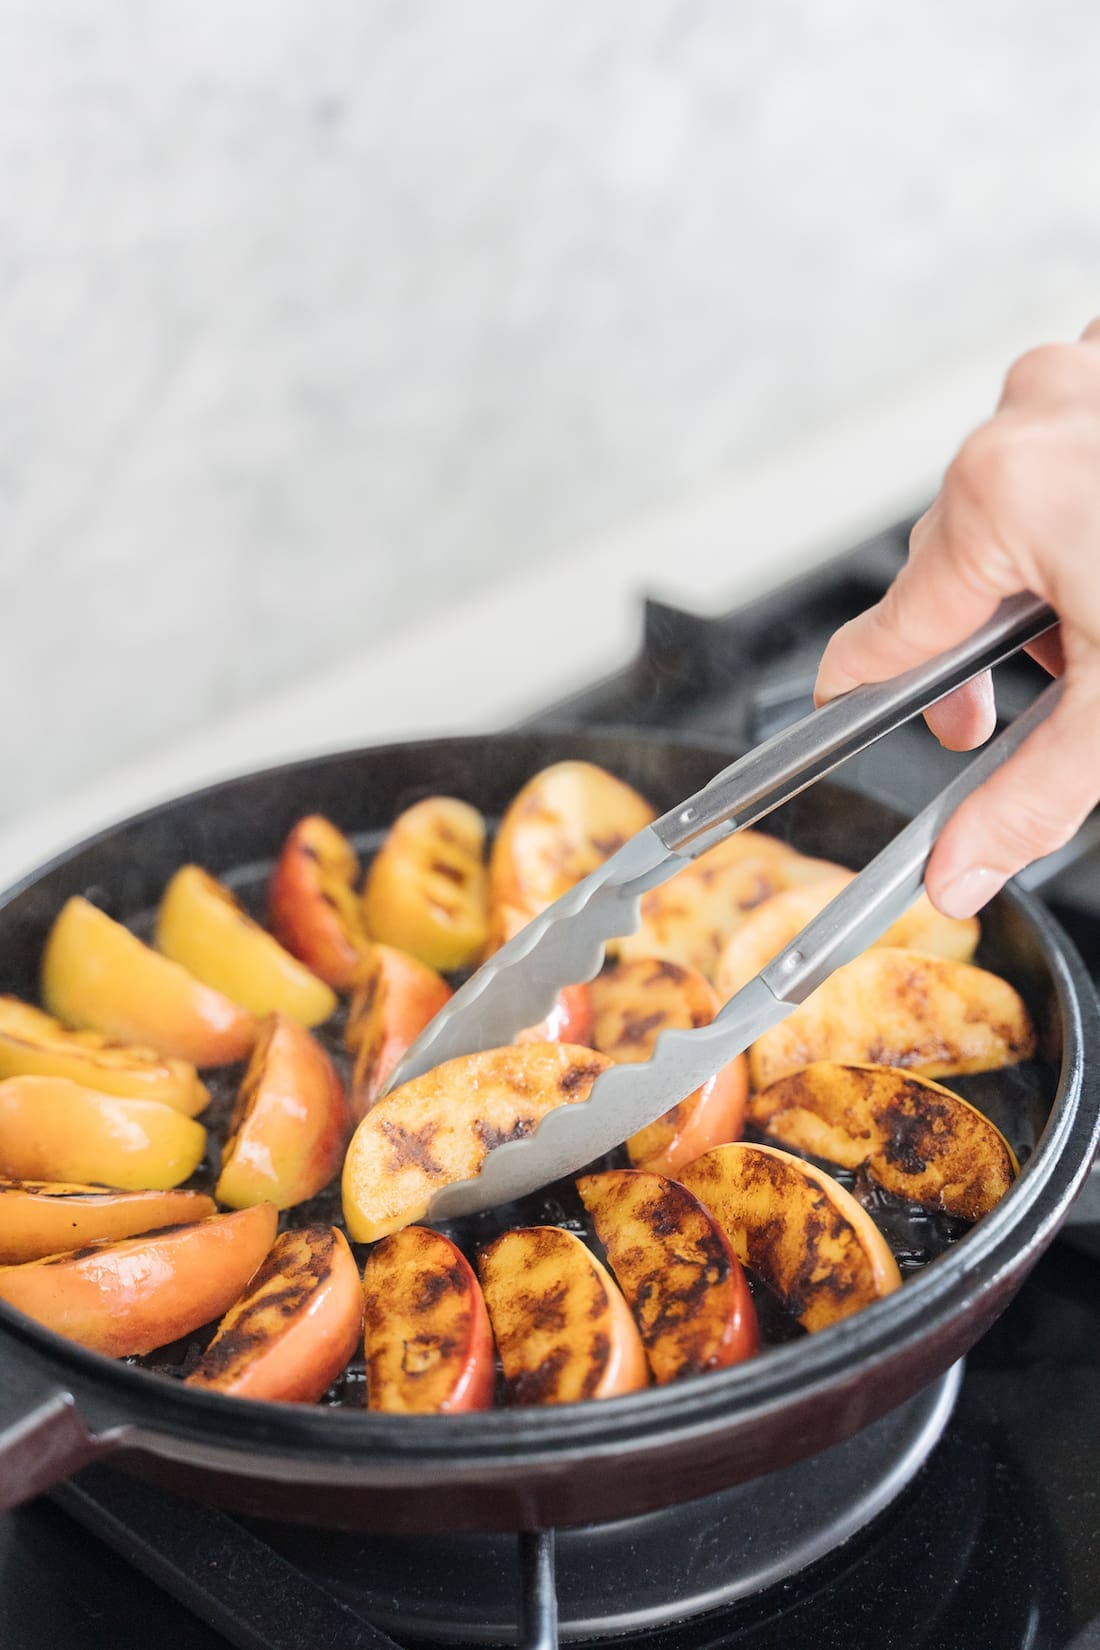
(61, 1406)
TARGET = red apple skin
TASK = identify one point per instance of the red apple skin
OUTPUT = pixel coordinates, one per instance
(394, 997)
(427, 1339)
(569, 1021)
(289, 1125)
(315, 910)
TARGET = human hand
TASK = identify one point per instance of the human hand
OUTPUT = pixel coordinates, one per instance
(1019, 510)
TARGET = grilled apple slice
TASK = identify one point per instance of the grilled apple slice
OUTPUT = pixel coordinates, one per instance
(690, 918)
(131, 1296)
(201, 926)
(773, 925)
(917, 1139)
(901, 1008)
(315, 909)
(394, 998)
(440, 1127)
(289, 1124)
(51, 1129)
(293, 1330)
(46, 1217)
(427, 1339)
(797, 1229)
(33, 1044)
(426, 890)
(569, 1021)
(95, 973)
(633, 1002)
(675, 1266)
(565, 822)
(562, 1328)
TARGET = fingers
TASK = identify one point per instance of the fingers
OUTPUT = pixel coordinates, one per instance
(1030, 807)
(966, 717)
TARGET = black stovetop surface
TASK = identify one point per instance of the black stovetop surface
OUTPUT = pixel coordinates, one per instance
(995, 1545)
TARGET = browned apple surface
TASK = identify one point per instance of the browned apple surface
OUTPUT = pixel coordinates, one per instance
(562, 1328)
(918, 1139)
(46, 1217)
(427, 1340)
(685, 1286)
(901, 1008)
(295, 1327)
(394, 997)
(426, 890)
(440, 1127)
(797, 1229)
(315, 908)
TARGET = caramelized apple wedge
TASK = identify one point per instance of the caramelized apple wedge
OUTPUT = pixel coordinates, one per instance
(563, 1330)
(633, 1002)
(52, 1129)
(46, 1217)
(33, 1044)
(917, 1139)
(315, 909)
(565, 822)
(95, 973)
(201, 926)
(426, 890)
(901, 1008)
(570, 1019)
(797, 1229)
(690, 918)
(289, 1124)
(773, 925)
(689, 1295)
(295, 1327)
(427, 1339)
(131, 1296)
(440, 1127)
(393, 999)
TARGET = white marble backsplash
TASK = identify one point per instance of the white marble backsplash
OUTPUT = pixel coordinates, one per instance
(315, 315)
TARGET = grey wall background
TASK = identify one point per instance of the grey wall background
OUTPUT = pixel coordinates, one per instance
(313, 314)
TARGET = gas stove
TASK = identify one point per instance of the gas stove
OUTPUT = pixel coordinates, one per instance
(969, 1519)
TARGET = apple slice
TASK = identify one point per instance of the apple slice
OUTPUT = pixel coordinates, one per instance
(52, 1129)
(797, 1229)
(918, 1140)
(426, 891)
(128, 1297)
(394, 998)
(46, 1217)
(441, 1127)
(315, 909)
(773, 925)
(690, 918)
(674, 1264)
(901, 1008)
(562, 1328)
(427, 1338)
(201, 926)
(95, 973)
(570, 1019)
(633, 1002)
(565, 822)
(289, 1123)
(293, 1330)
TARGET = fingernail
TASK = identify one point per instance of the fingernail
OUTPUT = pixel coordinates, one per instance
(965, 894)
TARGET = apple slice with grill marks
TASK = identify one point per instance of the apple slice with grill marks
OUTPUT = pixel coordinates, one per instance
(901, 1008)
(426, 889)
(563, 1330)
(633, 1001)
(797, 1229)
(295, 1327)
(689, 1295)
(315, 909)
(34, 1044)
(918, 1140)
(48, 1217)
(774, 924)
(127, 1297)
(440, 1127)
(394, 997)
(428, 1344)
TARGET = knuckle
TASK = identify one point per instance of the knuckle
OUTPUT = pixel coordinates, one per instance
(983, 466)
(1027, 829)
(1042, 371)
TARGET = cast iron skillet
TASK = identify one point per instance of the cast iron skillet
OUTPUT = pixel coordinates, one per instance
(63, 1406)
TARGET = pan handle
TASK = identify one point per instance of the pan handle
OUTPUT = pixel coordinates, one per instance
(43, 1436)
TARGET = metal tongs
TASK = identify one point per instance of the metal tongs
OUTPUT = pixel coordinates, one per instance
(518, 986)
